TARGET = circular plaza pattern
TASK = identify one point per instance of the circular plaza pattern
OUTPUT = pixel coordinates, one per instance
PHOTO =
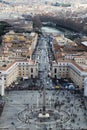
(22, 108)
(56, 116)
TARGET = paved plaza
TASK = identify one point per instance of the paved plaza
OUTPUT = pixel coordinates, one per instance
(19, 103)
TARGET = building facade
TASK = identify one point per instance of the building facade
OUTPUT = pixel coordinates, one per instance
(17, 69)
(71, 70)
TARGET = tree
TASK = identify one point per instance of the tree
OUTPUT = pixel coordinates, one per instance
(4, 27)
(37, 22)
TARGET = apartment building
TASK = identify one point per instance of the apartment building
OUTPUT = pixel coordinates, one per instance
(9, 73)
(15, 58)
(69, 62)
(27, 69)
(69, 69)
(18, 46)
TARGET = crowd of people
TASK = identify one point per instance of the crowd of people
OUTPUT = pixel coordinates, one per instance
(74, 105)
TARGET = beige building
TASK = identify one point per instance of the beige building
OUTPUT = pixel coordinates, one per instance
(15, 58)
(28, 69)
(19, 45)
(69, 69)
(18, 69)
(70, 61)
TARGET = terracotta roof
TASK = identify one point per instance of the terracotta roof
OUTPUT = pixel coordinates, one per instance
(7, 66)
(73, 62)
(79, 67)
(31, 62)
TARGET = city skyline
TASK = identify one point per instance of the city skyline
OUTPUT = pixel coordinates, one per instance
(43, 64)
(43, 1)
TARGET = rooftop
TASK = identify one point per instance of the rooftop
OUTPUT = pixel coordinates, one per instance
(84, 43)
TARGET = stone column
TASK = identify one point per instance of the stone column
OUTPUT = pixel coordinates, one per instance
(44, 101)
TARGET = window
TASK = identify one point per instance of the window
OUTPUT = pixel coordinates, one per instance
(4, 78)
(55, 70)
(31, 70)
(55, 76)
(31, 75)
(26, 64)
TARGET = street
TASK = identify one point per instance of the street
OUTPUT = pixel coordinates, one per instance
(41, 56)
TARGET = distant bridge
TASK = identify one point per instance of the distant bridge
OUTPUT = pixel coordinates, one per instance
(49, 24)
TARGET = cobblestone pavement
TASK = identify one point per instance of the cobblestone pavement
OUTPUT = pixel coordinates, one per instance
(17, 101)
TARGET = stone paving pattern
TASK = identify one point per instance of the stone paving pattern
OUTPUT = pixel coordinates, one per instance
(16, 101)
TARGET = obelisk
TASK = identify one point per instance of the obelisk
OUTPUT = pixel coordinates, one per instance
(44, 101)
(44, 114)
